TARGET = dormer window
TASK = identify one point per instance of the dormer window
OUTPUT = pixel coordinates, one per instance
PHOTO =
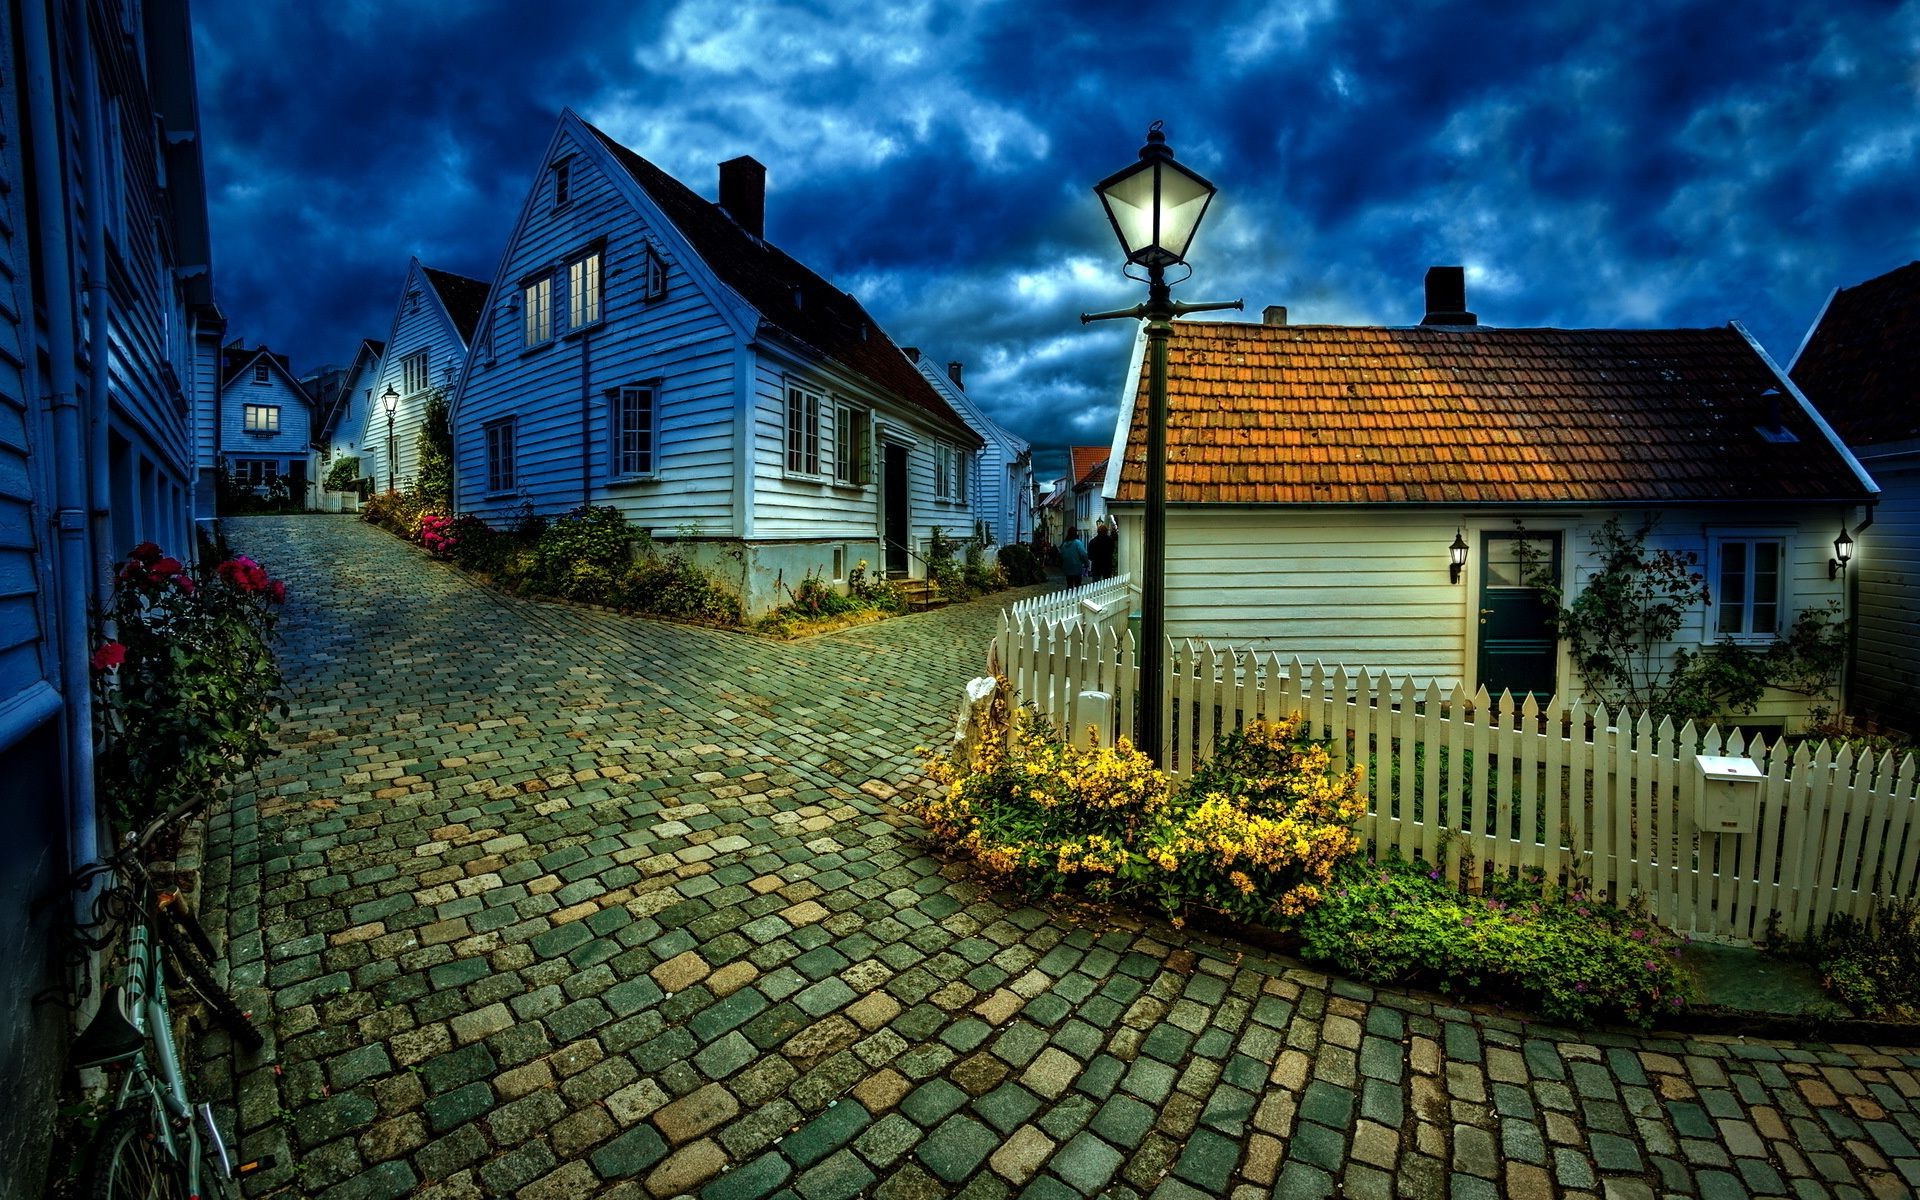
(562, 183)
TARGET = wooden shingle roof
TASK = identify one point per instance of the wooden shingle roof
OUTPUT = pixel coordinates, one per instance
(1861, 363)
(1300, 414)
(789, 295)
(464, 298)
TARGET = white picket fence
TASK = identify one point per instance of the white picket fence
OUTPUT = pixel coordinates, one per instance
(1104, 600)
(1607, 802)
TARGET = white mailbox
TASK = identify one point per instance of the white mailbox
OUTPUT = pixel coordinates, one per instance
(1729, 793)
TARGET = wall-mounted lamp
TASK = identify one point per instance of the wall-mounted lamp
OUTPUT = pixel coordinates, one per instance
(1459, 552)
(1842, 554)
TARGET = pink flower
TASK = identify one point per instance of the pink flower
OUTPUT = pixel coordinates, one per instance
(184, 583)
(166, 568)
(145, 552)
(278, 592)
(109, 656)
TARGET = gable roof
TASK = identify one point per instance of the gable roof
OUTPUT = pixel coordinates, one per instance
(1860, 364)
(332, 403)
(239, 360)
(464, 298)
(1087, 461)
(1306, 414)
(787, 295)
(970, 409)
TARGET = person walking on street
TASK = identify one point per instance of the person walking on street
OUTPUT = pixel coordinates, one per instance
(1101, 551)
(1073, 558)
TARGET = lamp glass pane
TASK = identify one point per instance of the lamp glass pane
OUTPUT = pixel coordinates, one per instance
(1183, 200)
(1129, 202)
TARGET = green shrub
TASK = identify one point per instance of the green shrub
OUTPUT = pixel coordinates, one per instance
(942, 569)
(976, 575)
(591, 535)
(670, 586)
(1562, 955)
(396, 512)
(1871, 966)
(875, 591)
(344, 474)
(478, 546)
(1021, 566)
(1256, 836)
(435, 484)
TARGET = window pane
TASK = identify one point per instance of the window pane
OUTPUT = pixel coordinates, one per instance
(1509, 560)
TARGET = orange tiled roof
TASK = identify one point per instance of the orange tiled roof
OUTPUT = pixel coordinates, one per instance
(1085, 460)
(1861, 366)
(1297, 414)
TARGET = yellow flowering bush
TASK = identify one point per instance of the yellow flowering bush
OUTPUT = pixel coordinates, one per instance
(1255, 833)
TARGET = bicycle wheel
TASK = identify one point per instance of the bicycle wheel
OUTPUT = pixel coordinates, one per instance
(184, 939)
(126, 1163)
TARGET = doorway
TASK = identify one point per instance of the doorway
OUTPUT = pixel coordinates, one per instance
(1519, 648)
(898, 516)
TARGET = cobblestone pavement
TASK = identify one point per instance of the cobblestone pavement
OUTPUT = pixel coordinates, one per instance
(546, 902)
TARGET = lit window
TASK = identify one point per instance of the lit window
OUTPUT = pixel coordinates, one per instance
(803, 431)
(537, 299)
(500, 456)
(852, 445)
(583, 290)
(1748, 596)
(632, 430)
(262, 418)
(413, 373)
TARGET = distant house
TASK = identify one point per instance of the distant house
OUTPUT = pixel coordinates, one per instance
(266, 423)
(344, 406)
(1089, 470)
(999, 477)
(648, 349)
(1318, 475)
(425, 351)
(109, 365)
(1860, 365)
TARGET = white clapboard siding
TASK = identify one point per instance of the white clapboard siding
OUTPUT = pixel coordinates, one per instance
(291, 442)
(1484, 786)
(1372, 586)
(559, 392)
(420, 322)
(1886, 568)
(999, 480)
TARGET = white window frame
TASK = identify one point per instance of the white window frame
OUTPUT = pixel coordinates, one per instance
(562, 172)
(416, 372)
(260, 372)
(1718, 540)
(586, 279)
(656, 276)
(802, 429)
(942, 461)
(626, 461)
(536, 315)
(852, 445)
(260, 418)
(499, 484)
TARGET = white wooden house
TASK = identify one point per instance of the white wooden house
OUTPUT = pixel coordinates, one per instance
(1088, 484)
(266, 423)
(1318, 477)
(343, 410)
(648, 349)
(425, 352)
(109, 365)
(1860, 365)
(999, 478)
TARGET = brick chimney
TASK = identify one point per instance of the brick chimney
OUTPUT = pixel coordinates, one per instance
(1447, 297)
(743, 193)
(953, 373)
(1275, 314)
(912, 353)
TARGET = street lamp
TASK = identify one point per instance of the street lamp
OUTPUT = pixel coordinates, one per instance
(1155, 206)
(390, 400)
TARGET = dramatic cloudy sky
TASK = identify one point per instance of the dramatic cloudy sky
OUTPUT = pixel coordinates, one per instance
(1591, 163)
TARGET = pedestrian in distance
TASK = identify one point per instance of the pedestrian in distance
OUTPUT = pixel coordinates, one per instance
(1102, 551)
(1073, 558)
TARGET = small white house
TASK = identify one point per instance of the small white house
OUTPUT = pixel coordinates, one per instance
(266, 424)
(1860, 365)
(426, 347)
(999, 480)
(1089, 487)
(1319, 476)
(648, 349)
(344, 402)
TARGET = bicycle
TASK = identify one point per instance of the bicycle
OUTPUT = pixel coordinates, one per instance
(157, 1141)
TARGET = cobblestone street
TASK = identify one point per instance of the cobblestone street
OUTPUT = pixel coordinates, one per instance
(549, 902)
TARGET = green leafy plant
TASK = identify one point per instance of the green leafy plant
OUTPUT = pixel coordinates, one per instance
(344, 473)
(1563, 955)
(942, 568)
(187, 684)
(1022, 567)
(670, 586)
(434, 485)
(875, 591)
(1871, 966)
(588, 536)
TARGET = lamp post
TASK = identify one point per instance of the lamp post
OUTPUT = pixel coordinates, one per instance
(390, 400)
(1155, 206)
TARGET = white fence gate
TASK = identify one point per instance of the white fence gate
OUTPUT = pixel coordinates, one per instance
(1474, 785)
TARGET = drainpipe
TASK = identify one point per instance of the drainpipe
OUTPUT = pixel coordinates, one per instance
(99, 302)
(73, 563)
(586, 418)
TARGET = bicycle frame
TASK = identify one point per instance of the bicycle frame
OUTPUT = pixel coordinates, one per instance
(146, 999)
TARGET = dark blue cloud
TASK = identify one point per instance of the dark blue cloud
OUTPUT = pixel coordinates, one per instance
(1592, 164)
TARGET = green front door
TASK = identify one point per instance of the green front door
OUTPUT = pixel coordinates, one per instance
(1519, 650)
